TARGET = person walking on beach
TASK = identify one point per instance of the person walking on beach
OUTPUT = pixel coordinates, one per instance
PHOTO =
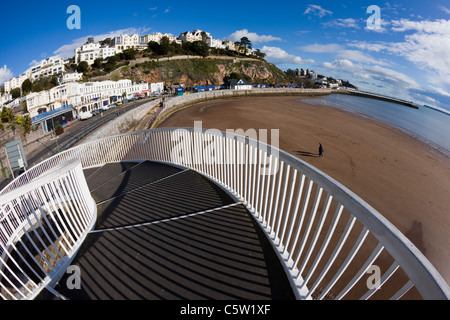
(320, 150)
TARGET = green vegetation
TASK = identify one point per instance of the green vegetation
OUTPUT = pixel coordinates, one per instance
(25, 122)
(157, 50)
(9, 121)
(173, 70)
(82, 67)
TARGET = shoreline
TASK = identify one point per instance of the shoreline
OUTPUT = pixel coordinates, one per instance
(402, 177)
(434, 147)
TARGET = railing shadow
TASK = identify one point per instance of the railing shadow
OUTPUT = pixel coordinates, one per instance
(222, 254)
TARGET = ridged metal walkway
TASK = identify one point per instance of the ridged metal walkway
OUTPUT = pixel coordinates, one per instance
(167, 233)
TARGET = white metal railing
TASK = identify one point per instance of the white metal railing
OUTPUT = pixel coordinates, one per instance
(42, 225)
(331, 243)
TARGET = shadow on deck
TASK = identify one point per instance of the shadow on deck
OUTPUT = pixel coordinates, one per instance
(164, 233)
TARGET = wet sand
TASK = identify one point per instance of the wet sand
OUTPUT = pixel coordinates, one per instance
(403, 178)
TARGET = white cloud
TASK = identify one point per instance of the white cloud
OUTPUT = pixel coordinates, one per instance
(342, 23)
(426, 44)
(447, 11)
(388, 81)
(278, 55)
(33, 63)
(153, 9)
(167, 10)
(322, 48)
(359, 56)
(5, 74)
(440, 26)
(67, 50)
(317, 10)
(340, 64)
(252, 36)
(340, 52)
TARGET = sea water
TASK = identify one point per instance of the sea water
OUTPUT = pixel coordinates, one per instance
(426, 124)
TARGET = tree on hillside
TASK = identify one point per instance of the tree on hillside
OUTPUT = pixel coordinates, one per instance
(27, 86)
(239, 76)
(164, 46)
(153, 46)
(259, 54)
(6, 115)
(82, 67)
(129, 54)
(104, 42)
(98, 63)
(200, 48)
(15, 93)
(246, 43)
(204, 36)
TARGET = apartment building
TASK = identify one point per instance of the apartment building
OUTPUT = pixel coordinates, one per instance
(195, 35)
(90, 51)
(43, 69)
(126, 41)
(15, 82)
(215, 43)
(157, 36)
(71, 77)
(65, 102)
(46, 68)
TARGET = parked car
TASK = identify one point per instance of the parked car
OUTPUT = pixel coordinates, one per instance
(85, 115)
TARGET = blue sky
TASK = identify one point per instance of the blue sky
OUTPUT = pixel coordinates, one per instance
(408, 56)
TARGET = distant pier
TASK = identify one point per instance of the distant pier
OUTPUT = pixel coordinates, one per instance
(379, 97)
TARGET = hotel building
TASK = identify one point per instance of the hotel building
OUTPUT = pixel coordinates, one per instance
(90, 51)
(65, 102)
(44, 69)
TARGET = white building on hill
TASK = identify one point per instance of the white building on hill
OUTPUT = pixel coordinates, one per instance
(71, 77)
(126, 41)
(195, 35)
(45, 68)
(157, 36)
(90, 51)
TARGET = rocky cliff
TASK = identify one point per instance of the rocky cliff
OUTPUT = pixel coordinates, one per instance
(193, 71)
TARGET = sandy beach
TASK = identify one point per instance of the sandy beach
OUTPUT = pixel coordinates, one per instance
(403, 178)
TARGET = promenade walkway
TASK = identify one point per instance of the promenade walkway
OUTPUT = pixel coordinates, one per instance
(167, 233)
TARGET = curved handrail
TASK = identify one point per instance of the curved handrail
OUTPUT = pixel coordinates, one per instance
(284, 204)
(42, 225)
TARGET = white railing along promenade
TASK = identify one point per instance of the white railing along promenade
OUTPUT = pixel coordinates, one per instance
(42, 225)
(330, 242)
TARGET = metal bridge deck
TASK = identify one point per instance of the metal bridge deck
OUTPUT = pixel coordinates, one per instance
(164, 233)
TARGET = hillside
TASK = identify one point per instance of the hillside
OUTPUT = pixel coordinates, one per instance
(193, 70)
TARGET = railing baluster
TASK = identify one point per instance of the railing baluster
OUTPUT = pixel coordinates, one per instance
(403, 291)
(330, 233)
(302, 218)
(376, 252)
(347, 261)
